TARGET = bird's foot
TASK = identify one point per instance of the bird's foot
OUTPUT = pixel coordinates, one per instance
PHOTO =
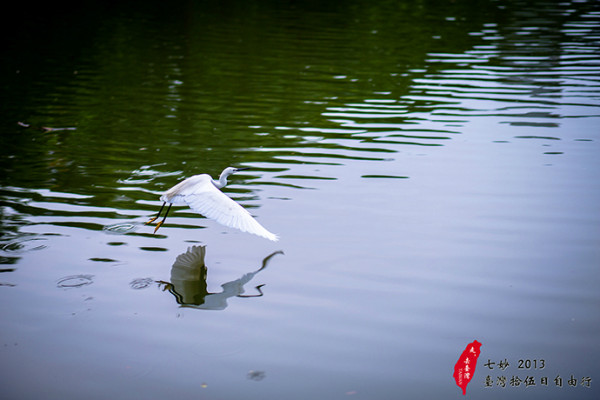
(158, 226)
(151, 220)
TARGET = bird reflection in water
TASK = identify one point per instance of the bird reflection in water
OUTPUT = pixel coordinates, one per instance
(188, 282)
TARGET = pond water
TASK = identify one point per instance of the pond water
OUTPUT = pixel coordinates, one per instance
(431, 169)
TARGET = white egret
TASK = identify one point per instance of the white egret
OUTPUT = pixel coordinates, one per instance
(201, 193)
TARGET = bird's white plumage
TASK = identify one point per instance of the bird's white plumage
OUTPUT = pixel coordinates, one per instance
(201, 195)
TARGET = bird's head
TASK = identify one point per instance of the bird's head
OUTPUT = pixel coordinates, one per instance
(223, 177)
(231, 170)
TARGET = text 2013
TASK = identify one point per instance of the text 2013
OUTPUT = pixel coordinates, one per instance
(531, 364)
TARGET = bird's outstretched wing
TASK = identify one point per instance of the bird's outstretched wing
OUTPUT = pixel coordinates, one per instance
(205, 198)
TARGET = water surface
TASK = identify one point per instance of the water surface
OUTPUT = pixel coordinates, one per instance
(430, 167)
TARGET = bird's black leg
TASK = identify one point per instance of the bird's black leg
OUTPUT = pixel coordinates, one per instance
(164, 218)
(157, 215)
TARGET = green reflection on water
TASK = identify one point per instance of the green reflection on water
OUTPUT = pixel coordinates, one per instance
(199, 86)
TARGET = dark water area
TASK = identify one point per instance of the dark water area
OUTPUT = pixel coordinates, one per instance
(430, 167)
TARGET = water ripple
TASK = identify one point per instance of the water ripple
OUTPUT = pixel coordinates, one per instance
(74, 281)
(141, 283)
(23, 245)
(121, 228)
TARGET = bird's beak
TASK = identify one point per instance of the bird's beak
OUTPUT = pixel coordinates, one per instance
(241, 169)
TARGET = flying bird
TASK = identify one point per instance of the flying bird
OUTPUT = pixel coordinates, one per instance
(201, 193)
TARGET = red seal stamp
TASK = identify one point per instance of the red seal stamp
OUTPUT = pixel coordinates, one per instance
(465, 366)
